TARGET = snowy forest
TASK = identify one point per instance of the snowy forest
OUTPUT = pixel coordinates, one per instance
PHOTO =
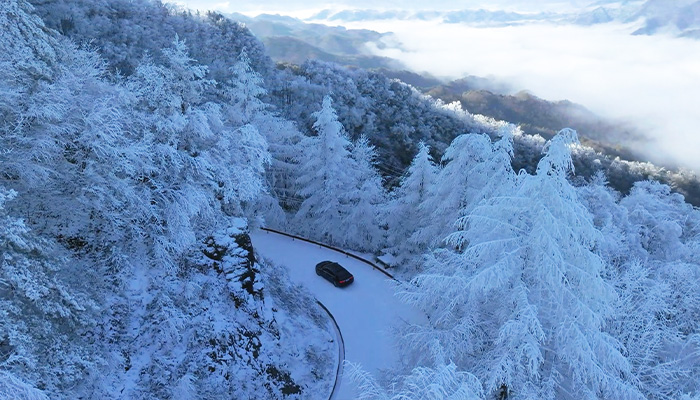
(140, 143)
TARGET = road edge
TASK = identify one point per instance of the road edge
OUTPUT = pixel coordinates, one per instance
(341, 351)
(348, 254)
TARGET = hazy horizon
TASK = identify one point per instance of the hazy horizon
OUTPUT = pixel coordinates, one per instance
(305, 8)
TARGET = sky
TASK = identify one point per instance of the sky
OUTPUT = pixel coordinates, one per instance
(651, 81)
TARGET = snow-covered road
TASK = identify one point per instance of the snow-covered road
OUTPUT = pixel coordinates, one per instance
(365, 311)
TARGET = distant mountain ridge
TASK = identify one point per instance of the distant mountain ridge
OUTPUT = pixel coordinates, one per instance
(680, 18)
(479, 17)
(294, 41)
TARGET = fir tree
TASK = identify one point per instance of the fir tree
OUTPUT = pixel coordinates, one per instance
(406, 214)
(458, 180)
(367, 198)
(325, 178)
(245, 93)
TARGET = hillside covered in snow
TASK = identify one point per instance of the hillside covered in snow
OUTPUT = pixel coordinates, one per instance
(140, 143)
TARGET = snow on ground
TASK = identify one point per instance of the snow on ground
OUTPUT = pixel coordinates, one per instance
(365, 311)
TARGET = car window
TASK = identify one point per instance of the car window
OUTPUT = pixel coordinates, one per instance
(340, 272)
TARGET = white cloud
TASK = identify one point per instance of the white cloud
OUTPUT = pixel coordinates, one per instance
(226, 6)
(654, 81)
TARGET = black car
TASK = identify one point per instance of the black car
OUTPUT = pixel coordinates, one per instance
(334, 273)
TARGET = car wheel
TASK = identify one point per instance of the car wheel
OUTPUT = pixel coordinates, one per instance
(335, 283)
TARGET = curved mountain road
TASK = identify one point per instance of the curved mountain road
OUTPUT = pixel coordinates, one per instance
(364, 311)
(341, 353)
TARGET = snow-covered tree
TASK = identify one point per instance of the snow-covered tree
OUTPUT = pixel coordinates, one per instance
(496, 173)
(283, 140)
(524, 305)
(443, 381)
(405, 213)
(13, 388)
(29, 58)
(245, 90)
(91, 181)
(457, 182)
(26, 44)
(611, 219)
(658, 282)
(475, 169)
(42, 318)
(366, 199)
(664, 223)
(663, 356)
(648, 241)
(201, 160)
(169, 105)
(325, 178)
(67, 149)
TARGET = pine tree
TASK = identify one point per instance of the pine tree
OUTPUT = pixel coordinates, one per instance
(406, 213)
(325, 178)
(457, 181)
(245, 92)
(366, 199)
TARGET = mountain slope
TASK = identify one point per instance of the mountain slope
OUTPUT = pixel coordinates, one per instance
(132, 272)
(293, 41)
(295, 51)
(538, 116)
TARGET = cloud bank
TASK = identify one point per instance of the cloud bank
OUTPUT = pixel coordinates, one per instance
(653, 81)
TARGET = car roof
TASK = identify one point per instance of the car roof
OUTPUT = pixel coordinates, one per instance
(338, 269)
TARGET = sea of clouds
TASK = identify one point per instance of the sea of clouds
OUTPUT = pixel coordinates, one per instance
(652, 81)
